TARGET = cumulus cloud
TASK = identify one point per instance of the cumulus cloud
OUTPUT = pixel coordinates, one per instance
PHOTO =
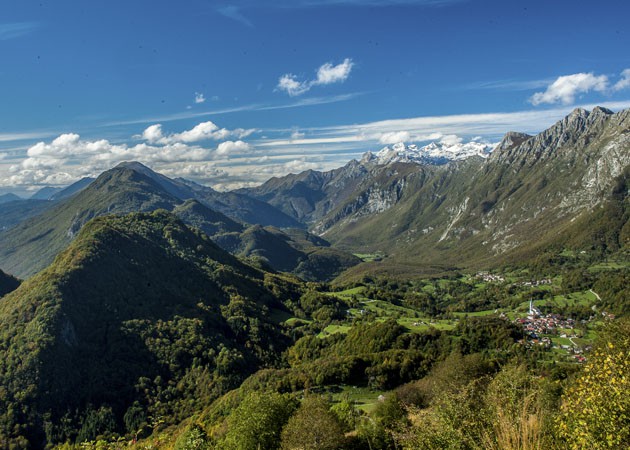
(566, 88)
(68, 158)
(624, 82)
(153, 133)
(200, 132)
(326, 74)
(199, 98)
(228, 148)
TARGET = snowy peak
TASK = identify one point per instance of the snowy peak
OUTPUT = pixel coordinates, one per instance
(435, 153)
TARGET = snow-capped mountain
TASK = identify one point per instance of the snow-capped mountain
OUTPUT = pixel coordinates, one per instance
(434, 153)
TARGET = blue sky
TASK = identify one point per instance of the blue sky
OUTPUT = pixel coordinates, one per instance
(244, 90)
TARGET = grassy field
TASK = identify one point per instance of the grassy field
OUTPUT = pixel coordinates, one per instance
(363, 398)
(369, 257)
(584, 298)
(333, 329)
(357, 291)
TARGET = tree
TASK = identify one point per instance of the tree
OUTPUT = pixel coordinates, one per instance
(257, 422)
(313, 427)
(595, 410)
(194, 438)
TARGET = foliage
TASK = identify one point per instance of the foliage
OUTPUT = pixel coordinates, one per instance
(595, 410)
(193, 438)
(313, 427)
(258, 421)
(170, 336)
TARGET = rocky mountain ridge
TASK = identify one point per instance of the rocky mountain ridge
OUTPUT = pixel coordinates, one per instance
(529, 189)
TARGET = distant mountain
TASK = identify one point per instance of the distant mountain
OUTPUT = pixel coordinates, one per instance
(72, 189)
(528, 192)
(30, 245)
(53, 193)
(433, 153)
(234, 205)
(138, 309)
(310, 195)
(5, 198)
(45, 193)
(12, 213)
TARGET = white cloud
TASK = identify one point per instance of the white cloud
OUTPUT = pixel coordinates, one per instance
(326, 74)
(566, 88)
(153, 133)
(300, 165)
(68, 158)
(200, 132)
(624, 82)
(450, 139)
(289, 83)
(197, 171)
(192, 115)
(199, 98)
(228, 148)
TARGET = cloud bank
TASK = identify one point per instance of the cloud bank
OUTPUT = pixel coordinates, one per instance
(231, 158)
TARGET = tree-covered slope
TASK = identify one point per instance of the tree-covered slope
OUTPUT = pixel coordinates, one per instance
(289, 250)
(31, 245)
(140, 313)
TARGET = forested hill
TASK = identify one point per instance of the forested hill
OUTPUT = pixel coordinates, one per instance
(139, 309)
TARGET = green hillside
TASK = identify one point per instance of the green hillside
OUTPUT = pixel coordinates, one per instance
(29, 245)
(139, 312)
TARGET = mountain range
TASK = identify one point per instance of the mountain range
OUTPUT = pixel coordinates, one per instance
(437, 207)
(530, 192)
(34, 241)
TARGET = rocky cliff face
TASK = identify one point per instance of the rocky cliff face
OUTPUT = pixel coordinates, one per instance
(529, 188)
